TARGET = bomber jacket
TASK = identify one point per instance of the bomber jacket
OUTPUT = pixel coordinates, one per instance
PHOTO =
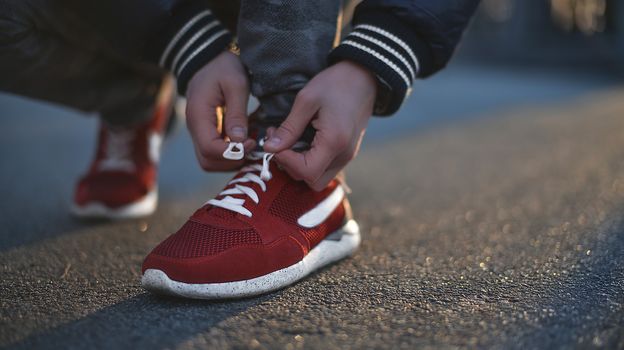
(398, 40)
(401, 40)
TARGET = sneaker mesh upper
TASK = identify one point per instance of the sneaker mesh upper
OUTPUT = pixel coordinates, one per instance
(195, 240)
(316, 234)
(290, 210)
(222, 213)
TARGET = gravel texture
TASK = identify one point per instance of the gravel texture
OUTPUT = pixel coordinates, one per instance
(502, 232)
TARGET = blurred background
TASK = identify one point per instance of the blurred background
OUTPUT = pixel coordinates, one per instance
(502, 167)
(515, 54)
(522, 53)
(583, 33)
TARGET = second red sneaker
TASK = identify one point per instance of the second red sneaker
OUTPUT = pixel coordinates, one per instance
(263, 232)
(122, 179)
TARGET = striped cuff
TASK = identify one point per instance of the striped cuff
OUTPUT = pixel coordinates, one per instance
(193, 38)
(389, 49)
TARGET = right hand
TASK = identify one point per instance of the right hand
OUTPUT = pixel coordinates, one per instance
(222, 82)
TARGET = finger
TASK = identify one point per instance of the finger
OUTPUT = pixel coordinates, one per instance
(310, 165)
(202, 125)
(289, 165)
(303, 110)
(336, 166)
(236, 94)
(222, 164)
(249, 145)
(270, 131)
(213, 164)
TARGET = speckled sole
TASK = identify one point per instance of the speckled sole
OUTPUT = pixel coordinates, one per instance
(96, 210)
(336, 246)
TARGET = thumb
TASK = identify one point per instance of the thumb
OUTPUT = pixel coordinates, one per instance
(235, 122)
(303, 110)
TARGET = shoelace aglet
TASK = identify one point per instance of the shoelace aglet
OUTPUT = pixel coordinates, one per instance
(265, 174)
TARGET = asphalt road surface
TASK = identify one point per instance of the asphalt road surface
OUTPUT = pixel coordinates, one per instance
(504, 229)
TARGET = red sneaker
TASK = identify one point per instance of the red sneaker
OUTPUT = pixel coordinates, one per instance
(122, 179)
(263, 232)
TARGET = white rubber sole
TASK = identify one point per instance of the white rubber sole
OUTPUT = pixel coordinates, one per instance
(96, 210)
(336, 246)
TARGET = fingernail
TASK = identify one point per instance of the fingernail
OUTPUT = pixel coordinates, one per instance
(237, 131)
(274, 141)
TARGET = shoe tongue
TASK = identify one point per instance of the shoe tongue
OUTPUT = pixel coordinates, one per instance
(224, 217)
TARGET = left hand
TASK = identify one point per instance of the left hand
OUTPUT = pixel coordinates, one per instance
(222, 82)
(338, 102)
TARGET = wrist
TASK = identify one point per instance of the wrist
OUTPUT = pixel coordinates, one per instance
(392, 50)
(359, 74)
(203, 73)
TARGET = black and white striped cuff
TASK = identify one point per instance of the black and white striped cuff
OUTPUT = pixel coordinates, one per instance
(194, 37)
(388, 49)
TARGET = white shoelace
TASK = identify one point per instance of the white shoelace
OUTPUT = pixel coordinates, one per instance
(118, 148)
(236, 204)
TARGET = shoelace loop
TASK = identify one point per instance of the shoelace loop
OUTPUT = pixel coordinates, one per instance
(236, 204)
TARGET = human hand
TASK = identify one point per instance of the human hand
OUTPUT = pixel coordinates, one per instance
(220, 83)
(338, 102)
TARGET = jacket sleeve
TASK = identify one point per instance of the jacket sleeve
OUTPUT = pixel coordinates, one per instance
(189, 36)
(403, 40)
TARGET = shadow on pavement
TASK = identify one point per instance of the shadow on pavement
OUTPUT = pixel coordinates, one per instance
(144, 321)
(48, 225)
(586, 311)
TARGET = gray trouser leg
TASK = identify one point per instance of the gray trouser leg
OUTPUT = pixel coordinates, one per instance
(284, 43)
